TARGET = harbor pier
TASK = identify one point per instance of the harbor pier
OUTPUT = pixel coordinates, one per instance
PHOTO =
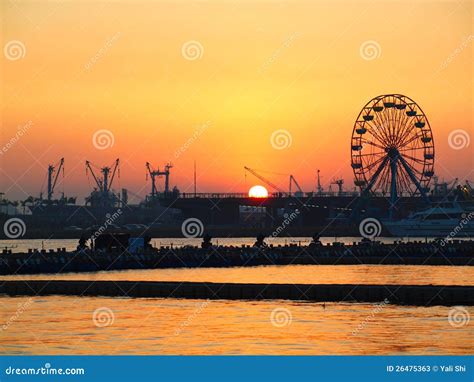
(456, 252)
(429, 295)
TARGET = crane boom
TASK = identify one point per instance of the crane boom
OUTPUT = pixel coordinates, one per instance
(116, 166)
(104, 184)
(293, 180)
(97, 181)
(52, 182)
(266, 181)
(153, 175)
(61, 164)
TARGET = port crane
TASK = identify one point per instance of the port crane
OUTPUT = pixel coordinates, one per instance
(443, 188)
(319, 188)
(293, 181)
(338, 183)
(53, 175)
(264, 180)
(158, 174)
(153, 176)
(104, 183)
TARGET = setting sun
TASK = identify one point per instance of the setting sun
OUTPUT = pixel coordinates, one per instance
(258, 192)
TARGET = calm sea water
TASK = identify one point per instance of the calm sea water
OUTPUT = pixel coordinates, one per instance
(85, 325)
(288, 274)
(68, 325)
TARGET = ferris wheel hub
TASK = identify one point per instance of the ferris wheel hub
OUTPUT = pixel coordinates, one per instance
(392, 152)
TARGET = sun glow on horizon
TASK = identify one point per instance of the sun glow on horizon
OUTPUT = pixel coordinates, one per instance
(258, 192)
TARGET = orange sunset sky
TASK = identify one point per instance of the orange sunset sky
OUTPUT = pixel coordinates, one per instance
(261, 66)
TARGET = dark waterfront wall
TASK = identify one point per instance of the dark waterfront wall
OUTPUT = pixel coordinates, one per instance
(394, 294)
(316, 213)
(49, 232)
(87, 260)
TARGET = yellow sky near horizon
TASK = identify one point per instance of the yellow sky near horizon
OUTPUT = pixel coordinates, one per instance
(264, 66)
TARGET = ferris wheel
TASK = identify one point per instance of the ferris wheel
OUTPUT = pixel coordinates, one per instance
(392, 148)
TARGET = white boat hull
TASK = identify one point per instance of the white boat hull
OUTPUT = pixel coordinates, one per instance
(445, 228)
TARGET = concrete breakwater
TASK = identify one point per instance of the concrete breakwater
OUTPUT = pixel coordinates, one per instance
(394, 294)
(87, 260)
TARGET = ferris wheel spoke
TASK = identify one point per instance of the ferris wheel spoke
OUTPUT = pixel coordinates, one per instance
(412, 168)
(372, 154)
(395, 117)
(384, 179)
(372, 164)
(410, 155)
(417, 160)
(412, 148)
(394, 125)
(406, 133)
(399, 181)
(408, 121)
(403, 128)
(382, 123)
(413, 177)
(409, 139)
(404, 178)
(405, 185)
(377, 133)
(374, 177)
(372, 144)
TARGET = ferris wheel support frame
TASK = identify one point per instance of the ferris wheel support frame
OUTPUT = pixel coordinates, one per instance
(393, 185)
(414, 179)
(375, 176)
